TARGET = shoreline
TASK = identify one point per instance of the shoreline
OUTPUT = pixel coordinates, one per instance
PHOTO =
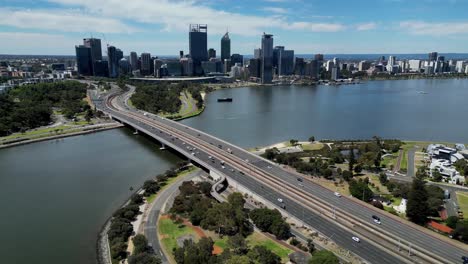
(65, 135)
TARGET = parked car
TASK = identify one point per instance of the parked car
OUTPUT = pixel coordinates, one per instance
(356, 239)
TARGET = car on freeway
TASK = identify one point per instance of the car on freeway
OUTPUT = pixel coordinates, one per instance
(376, 219)
(280, 200)
(300, 179)
(356, 239)
(223, 167)
(465, 259)
(283, 206)
(337, 194)
(193, 153)
(210, 157)
(301, 185)
(232, 170)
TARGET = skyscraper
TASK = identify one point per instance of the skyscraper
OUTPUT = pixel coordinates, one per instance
(95, 45)
(267, 58)
(145, 64)
(84, 60)
(237, 58)
(257, 53)
(433, 56)
(113, 61)
(198, 46)
(134, 60)
(225, 47)
(211, 53)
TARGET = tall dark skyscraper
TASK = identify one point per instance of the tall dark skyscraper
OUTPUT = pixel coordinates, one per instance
(433, 56)
(84, 61)
(267, 58)
(95, 45)
(198, 46)
(134, 60)
(225, 47)
(145, 64)
(113, 61)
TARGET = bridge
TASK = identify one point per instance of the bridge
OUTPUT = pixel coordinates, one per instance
(338, 218)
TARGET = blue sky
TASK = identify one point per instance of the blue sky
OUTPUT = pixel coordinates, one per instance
(307, 26)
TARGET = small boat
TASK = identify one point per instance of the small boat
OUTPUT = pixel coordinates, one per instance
(422, 92)
(226, 99)
(135, 133)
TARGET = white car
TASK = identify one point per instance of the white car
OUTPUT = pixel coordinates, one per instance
(377, 221)
(337, 194)
(356, 239)
(223, 167)
(280, 200)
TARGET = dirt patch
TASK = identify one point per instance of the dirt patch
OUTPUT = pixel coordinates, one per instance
(217, 250)
(164, 217)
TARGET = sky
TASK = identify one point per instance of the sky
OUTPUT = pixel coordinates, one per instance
(54, 27)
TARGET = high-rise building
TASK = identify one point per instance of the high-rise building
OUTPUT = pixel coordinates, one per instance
(227, 65)
(95, 45)
(364, 65)
(84, 60)
(101, 68)
(181, 54)
(319, 57)
(414, 65)
(254, 67)
(257, 53)
(209, 66)
(335, 73)
(198, 45)
(237, 58)
(113, 61)
(329, 65)
(225, 47)
(276, 57)
(312, 69)
(391, 60)
(157, 68)
(134, 60)
(267, 58)
(96, 52)
(440, 58)
(211, 53)
(124, 66)
(285, 62)
(187, 66)
(433, 56)
(460, 66)
(299, 67)
(145, 64)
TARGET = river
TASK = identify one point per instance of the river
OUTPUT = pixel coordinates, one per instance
(432, 109)
(56, 195)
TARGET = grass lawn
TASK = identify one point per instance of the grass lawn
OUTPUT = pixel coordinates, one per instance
(312, 146)
(35, 132)
(404, 161)
(170, 231)
(262, 240)
(221, 242)
(375, 180)
(387, 161)
(463, 203)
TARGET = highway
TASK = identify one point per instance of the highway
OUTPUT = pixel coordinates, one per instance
(308, 203)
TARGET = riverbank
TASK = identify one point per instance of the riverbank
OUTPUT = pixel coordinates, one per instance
(59, 134)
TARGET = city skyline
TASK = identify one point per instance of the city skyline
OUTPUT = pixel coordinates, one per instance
(308, 27)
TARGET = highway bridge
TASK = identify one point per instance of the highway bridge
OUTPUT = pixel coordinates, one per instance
(338, 218)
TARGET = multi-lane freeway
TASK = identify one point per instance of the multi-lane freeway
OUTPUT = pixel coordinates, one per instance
(339, 218)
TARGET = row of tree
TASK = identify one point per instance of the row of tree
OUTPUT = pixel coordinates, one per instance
(30, 106)
(121, 228)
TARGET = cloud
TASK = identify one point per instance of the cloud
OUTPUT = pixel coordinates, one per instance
(316, 27)
(28, 43)
(277, 10)
(61, 20)
(366, 26)
(434, 29)
(177, 15)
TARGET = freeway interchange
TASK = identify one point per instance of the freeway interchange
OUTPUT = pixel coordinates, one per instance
(338, 218)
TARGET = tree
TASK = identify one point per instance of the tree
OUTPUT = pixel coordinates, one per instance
(140, 244)
(461, 231)
(352, 159)
(310, 245)
(436, 175)
(237, 244)
(89, 115)
(144, 258)
(383, 178)
(324, 257)
(293, 142)
(347, 175)
(358, 168)
(452, 221)
(263, 255)
(311, 139)
(239, 260)
(236, 200)
(417, 209)
(360, 190)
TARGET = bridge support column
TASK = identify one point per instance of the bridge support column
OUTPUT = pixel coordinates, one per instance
(163, 147)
